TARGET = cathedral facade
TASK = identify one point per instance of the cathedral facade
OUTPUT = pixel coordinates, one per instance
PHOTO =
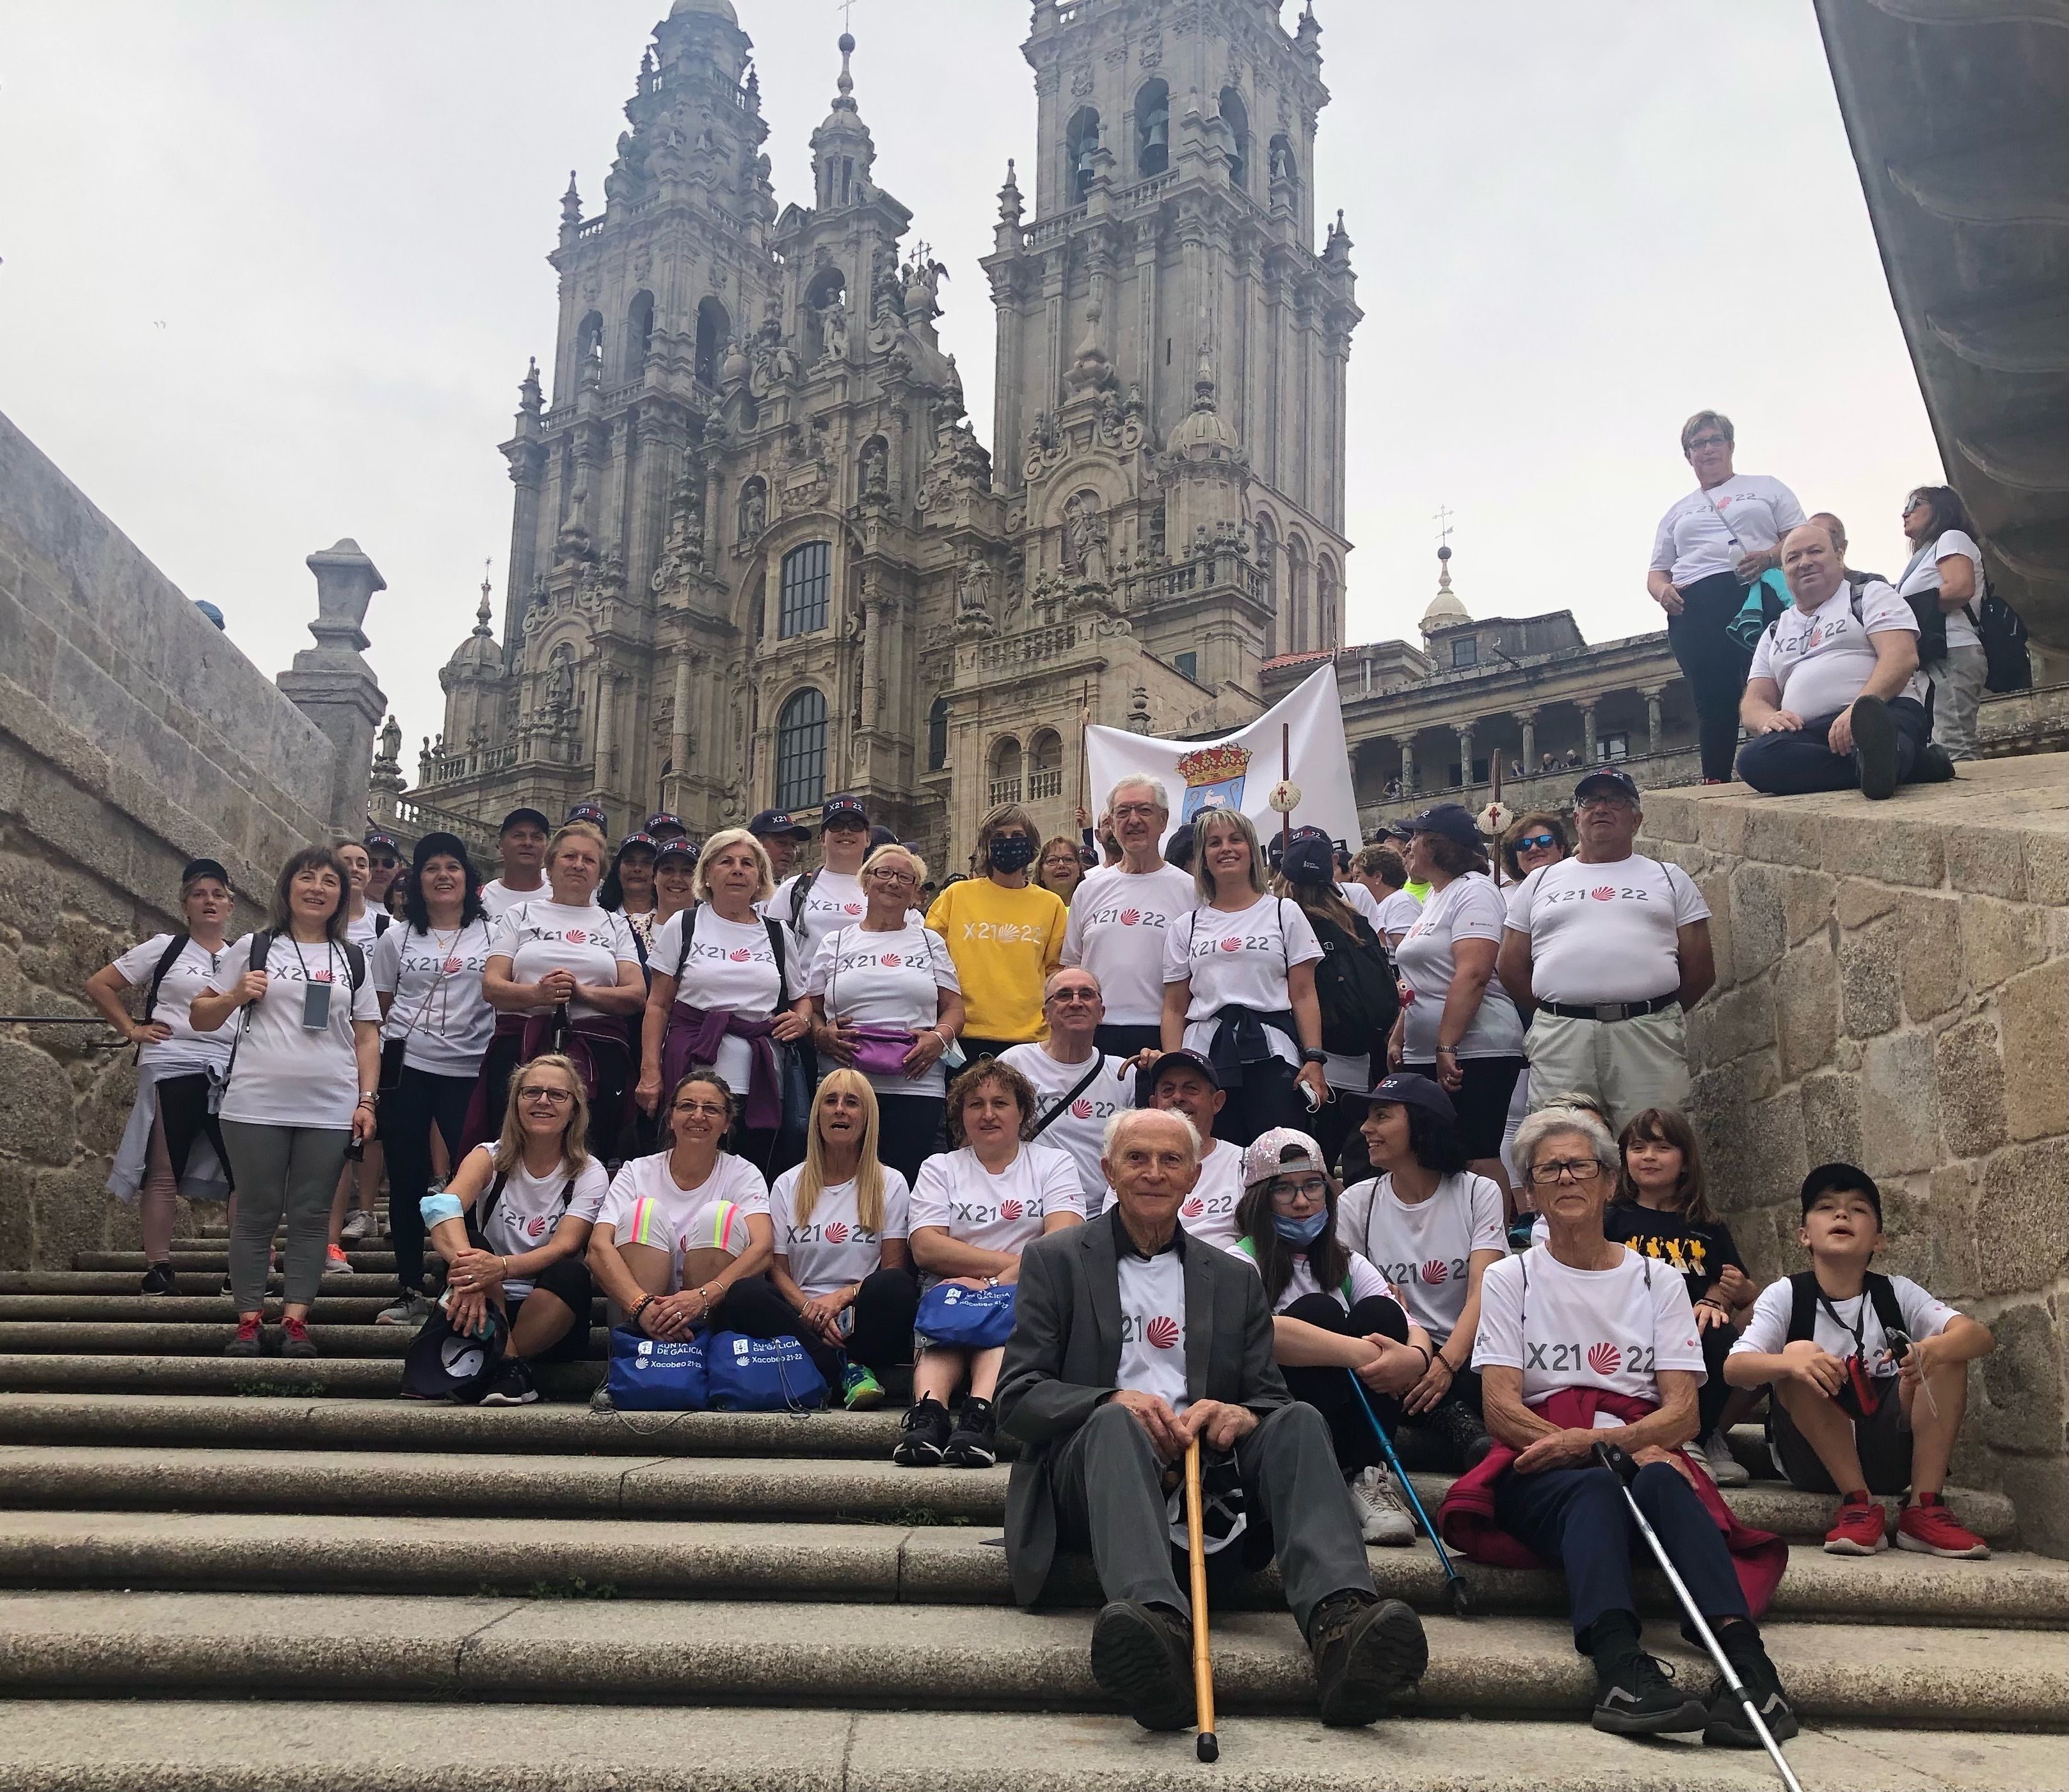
(759, 553)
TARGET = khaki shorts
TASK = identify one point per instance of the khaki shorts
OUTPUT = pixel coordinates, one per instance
(1626, 1065)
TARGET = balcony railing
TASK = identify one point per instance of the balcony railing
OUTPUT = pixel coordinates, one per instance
(1005, 789)
(1044, 784)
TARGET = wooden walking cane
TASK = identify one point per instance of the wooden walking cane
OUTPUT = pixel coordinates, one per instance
(1205, 1746)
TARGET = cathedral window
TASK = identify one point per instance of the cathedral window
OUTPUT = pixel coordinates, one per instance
(1045, 776)
(1152, 130)
(1296, 594)
(937, 734)
(638, 334)
(1081, 142)
(588, 341)
(801, 603)
(1187, 665)
(1236, 116)
(1005, 771)
(1329, 592)
(1465, 652)
(714, 330)
(801, 751)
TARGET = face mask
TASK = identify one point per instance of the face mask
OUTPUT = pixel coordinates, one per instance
(1011, 852)
(1300, 1231)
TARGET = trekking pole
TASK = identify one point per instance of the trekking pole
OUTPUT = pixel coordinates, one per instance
(1205, 1745)
(1460, 1588)
(1619, 1463)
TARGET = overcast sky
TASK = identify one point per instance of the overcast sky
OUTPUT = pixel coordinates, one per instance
(271, 273)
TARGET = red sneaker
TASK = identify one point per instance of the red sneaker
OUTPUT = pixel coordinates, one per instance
(1859, 1528)
(246, 1342)
(294, 1339)
(1929, 1527)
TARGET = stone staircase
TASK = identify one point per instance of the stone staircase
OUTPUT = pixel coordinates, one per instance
(269, 1575)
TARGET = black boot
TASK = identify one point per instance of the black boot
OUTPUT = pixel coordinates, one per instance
(1932, 765)
(1142, 1657)
(1366, 1650)
(1729, 1726)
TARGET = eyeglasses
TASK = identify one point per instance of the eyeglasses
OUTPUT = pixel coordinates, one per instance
(1537, 843)
(1708, 441)
(1136, 811)
(884, 874)
(1565, 1169)
(710, 1110)
(1074, 993)
(1308, 1188)
(551, 1098)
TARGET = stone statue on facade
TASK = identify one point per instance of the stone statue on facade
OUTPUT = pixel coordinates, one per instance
(876, 468)
(754, 509)
(973, 588)
(833, 322)
(1085, 532)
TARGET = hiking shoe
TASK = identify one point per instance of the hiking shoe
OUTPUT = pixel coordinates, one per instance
(1729, 1727)
(1875, 748)
(412, 1310)
(1381, 1518)
(511, 1385)
(860, 1391)
(1859, 1528)
(336, 1263)
(923, 1434)
(294, 1339)
(1934, 765)
(1366, 1649)
(159, 1278)
(1637, 1697)
(974, 1442)
(247, 1341)
(1725, 1469)
(357, 1224)
(1142, 1658)
(1928, 1527)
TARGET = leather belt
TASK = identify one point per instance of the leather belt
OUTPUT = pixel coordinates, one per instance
(1609, 1010)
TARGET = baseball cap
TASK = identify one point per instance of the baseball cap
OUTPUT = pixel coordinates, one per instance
(378, 837)
(1145, 1087)
(1610, 782)
(774, 823)
(661, 822)
(526, 818)
(639, 838)
(879, 835)
(1310, 861)
(682, 846)
(587, 812)
(1452, 820)
(846, 810)
(1276, 1152)
(1826, 1177)
(1395, 831)
(205, 868)
(1409, 1090)
(1178, 849)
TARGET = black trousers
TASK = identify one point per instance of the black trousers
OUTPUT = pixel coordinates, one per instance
(908, 1131)
(882, 1335)
(418, 1102)
(1788, 764)
(1714, 664)
(1334, 1127)
(1329, 1391)
(1711, 1397)
(1125, 1042)
(1268, 1096)
(183, 1115)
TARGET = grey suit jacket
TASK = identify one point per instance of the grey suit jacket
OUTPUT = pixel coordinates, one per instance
(1064, 1353)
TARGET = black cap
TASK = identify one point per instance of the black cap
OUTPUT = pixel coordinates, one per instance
(879, 835)
(1395, 831)
(640, 838)
(661, 822)
(518, 818)
(434, 843)
(1310, 861)
(1826, 1177)
(588, 812)
(1611, 780)
(1407, 1089)
(205, 868)
(844, 809)
(1453, 821)
(772, 824)
(1145, 1087)
(683, 847)
(1178, 849)
(378, 837)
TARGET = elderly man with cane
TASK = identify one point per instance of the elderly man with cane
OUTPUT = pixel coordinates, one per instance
(1130, 1342)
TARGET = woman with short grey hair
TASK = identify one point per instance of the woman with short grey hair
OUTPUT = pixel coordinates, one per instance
(1550, 1122)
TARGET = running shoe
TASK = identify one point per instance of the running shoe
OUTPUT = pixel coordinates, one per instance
(1725, 1469)
(1729, 1727)
(336, 1263)
(1928, 1527)
(357, 1224)
(511, 1385)
(860, 1391)
(923, 1436)
(294, 1339)
(1859, 1527)
(412, 1310)
(1637, 1697)
(159, 1278)
(247, 1343)
(1382, 1519)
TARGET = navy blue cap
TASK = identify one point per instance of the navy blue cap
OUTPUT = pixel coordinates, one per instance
(205, 868)
(879, 835)
(517, 816)
(1453, 821)
(1611, 780)
(843, 808)
(661, 822)
(377, 837)
(639, 839)
(774, 823)
(1145, 1086)
(1312, 860)
(681, 847)
(1407, 1089)
(588, 812)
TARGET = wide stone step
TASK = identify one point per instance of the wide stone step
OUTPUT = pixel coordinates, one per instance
(381, 1263)
(48, 1338)
(721, 1558)
(197, 1308)
(21, 1282)
(87, 1745)
(917, 1657)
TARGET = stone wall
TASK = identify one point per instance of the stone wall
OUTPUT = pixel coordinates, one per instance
(133, 736)
(1891, 991)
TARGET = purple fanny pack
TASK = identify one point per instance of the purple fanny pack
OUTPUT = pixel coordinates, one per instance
(881, 1050)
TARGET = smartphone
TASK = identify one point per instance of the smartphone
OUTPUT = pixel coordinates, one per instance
(315, 1006)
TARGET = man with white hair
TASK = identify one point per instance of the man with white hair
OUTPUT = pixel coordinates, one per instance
(1130, 1341)
(1122, 914)
(1081, 1087)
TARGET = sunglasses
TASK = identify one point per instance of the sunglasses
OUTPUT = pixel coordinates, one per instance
(1537, 843)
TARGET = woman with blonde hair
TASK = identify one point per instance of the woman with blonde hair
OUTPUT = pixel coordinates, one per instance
(841, 1264)
(1006, 934)
(513, 1224)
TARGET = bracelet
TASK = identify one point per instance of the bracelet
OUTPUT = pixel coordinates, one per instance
(639, 1307)
(1446, 1052)
(1429, 1356)
(1314, 1055)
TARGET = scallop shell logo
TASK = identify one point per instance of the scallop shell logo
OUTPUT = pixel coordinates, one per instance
(1602, 892)
(1433, 1271)
(851, 908)
(575, 936)
(1231, 944)
(739, 955)
(1130, 917)
(1082, 1109)
(890, 961)
(1162, 1332)
(1010, 1210)
(836, 1234)
(1605, 1359)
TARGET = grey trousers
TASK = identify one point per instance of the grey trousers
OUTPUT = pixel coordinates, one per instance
(1108, 1489)
(289, 1170)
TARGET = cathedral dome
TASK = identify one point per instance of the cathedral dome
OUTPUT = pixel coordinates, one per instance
(479, 652)
(1445, 610)
(717, 9)
(1204, 434)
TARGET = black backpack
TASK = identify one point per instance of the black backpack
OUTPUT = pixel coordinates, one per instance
(1803, 1304)
(2002, 632)
(1355, 985)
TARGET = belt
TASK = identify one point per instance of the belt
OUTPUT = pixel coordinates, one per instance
(1608, 1010)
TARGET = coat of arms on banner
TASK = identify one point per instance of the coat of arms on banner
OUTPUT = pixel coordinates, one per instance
(1214, 778)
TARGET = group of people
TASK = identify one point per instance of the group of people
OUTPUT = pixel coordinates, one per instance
(1841, 679)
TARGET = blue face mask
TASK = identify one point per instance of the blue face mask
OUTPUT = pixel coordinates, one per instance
(1300, 1231)
(1013, 852)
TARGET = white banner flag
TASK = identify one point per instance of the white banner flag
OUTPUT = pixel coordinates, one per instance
(1238, 770)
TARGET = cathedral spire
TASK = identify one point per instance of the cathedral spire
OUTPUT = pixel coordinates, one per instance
(482, 610)
(842, 152)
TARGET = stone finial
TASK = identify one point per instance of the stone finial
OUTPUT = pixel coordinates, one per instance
(571, 216)
(346, 581)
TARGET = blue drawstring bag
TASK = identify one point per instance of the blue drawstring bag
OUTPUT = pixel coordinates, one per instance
(1766, 599)
(657, 1374)
(968, 1319)
(747, 1374)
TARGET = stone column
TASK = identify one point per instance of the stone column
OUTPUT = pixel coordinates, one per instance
(1465, 755)
(680, 732)
(1408, 767)
(606, 733)
(1652, 720)
(334, 687)
(1587, 706)
(1526, 720)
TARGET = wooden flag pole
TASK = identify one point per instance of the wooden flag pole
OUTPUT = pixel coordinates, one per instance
(1286, 775)
(1085, 745)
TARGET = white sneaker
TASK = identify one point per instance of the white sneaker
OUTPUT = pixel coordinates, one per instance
(336, 1263)
(357, 1224)
(1725, 1469)
(412, 1310)
(1382, 1519)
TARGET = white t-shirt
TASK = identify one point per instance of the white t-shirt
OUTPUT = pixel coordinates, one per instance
(1694, 540)
(834, 900)
(886, 980)
(1820, 662)
(191, 974)
(498, 898)
(539, 937)
(1468, 908)
(1241, 959)
(1397, 915)
(284, 1075)
(1767, 1331)
(1363, 1278)
(372, 925)
(1586, 1328)
(1081, 1131)
(439, 1012)
(1209, 1212)
(1363, 902)
(833, 1248)
(1004, 1213)
(1119, 922)
(1425, 1248)
(529, 1211)
(646, 1206)
(1922, 575)
(1152, 1326)
(1605, 932)
(731, 965)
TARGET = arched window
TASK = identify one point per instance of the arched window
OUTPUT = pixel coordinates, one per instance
(1329, 613)
(1006, 770)
(1296, 594)
(937, 734)
(801, 751)
(1267, 569)
(1045, 775)
(801, 599)
(714, 331)
(1236, 116)
(638, 334)
(589, 342)
(1283, 166)
(1081, 138)
(1152, 130)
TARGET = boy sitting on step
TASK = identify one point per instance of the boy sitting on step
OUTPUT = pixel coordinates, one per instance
(1869, 1375)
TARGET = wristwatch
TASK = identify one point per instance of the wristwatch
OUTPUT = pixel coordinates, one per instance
(1314, 1055)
